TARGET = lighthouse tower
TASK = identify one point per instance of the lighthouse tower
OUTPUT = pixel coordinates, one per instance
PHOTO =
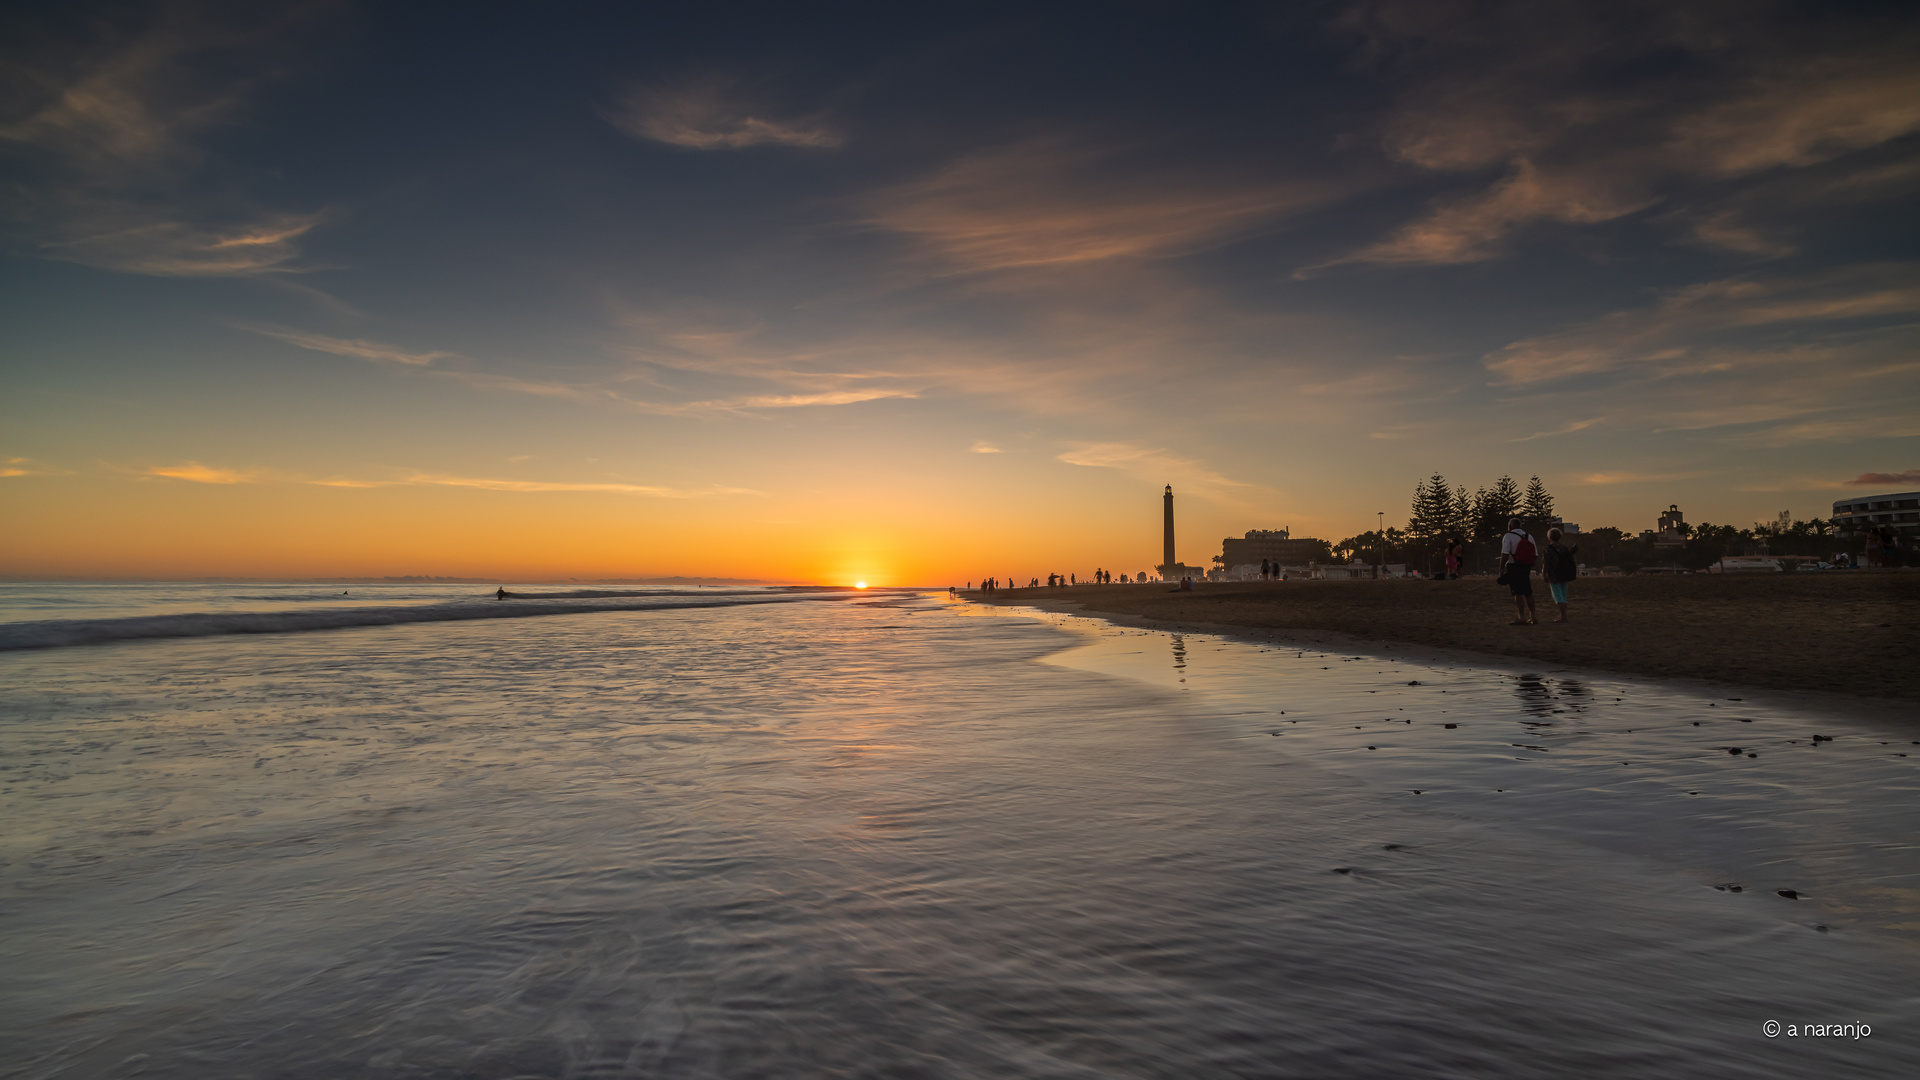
(1169, 569)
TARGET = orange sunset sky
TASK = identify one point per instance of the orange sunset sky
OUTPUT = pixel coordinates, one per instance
(342, 290)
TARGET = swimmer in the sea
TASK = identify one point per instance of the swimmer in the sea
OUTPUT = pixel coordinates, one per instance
(501, 594)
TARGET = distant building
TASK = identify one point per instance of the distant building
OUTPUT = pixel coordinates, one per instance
(1670, 534)
(1899, 512)
(1269, 545)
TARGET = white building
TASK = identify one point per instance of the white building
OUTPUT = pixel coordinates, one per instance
(1899, 512)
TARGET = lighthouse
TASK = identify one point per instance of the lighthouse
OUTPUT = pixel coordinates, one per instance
(1169, 569)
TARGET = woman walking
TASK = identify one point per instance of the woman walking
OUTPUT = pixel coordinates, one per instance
(1455, 552)
(1561, 570)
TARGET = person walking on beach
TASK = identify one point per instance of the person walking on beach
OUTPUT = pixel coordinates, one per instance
(1456, 552)
(1560, 570)
(1516, 570)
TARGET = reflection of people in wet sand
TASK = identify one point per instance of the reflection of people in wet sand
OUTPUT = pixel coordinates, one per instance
(1516, 570)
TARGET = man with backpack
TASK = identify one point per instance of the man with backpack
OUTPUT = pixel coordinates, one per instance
(1517, 554)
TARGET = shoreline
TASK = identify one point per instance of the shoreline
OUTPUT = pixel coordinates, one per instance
(1170, 612)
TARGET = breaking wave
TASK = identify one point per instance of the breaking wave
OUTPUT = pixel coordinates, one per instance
(60, 633)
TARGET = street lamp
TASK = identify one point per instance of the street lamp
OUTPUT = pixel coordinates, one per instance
(1379, 548)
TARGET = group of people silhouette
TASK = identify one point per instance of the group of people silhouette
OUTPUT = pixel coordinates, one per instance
(1100, 577)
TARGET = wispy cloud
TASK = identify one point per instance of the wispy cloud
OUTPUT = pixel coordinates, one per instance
(1049, 202)
(1564, 429)
(790, 401)
(1608, 479)
(793, 388)
(1805, 113)
(1475, 228)
(714, 113)
(19, 466)
(115, 171)
(984, 448)
(536, 486)
(364, 350)
(1884, 479)
(1587, 118)
(127, 242)
(1150, 464)
(197, 473)
(1880, 424)
(1696, 328)
(1725, 231)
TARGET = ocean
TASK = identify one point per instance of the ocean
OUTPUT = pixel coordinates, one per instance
(412, 831)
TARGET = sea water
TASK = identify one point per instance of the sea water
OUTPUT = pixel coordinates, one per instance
(819, 833)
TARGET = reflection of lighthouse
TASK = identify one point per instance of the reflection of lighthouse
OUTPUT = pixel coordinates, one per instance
(1169, 569)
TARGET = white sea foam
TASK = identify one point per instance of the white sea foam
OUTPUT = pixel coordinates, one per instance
(60, 633)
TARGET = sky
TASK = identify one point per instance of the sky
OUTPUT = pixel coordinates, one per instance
(918, 294)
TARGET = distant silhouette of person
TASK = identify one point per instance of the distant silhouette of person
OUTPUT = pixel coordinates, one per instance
(500, 593)
(1560, 571)
(1456, 553)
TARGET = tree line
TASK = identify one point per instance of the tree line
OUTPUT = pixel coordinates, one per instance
(1442, 512)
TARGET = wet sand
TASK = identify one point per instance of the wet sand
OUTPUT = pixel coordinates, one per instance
(1847, 633)
(920, 837)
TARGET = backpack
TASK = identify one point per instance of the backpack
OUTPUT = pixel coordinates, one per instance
(1523, 552)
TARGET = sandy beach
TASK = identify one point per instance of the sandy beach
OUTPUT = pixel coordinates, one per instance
(1834, 633)
(906, 833)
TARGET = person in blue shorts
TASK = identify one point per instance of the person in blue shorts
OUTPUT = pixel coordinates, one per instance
(1561, 569)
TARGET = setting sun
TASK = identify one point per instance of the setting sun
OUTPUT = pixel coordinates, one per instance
(859, 584)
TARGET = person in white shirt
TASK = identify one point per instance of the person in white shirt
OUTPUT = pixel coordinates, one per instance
(1517, 555)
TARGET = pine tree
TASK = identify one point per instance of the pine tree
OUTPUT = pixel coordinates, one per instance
(1538, 505)
(1460, 517)
(1493, 507)
(1432, 509)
